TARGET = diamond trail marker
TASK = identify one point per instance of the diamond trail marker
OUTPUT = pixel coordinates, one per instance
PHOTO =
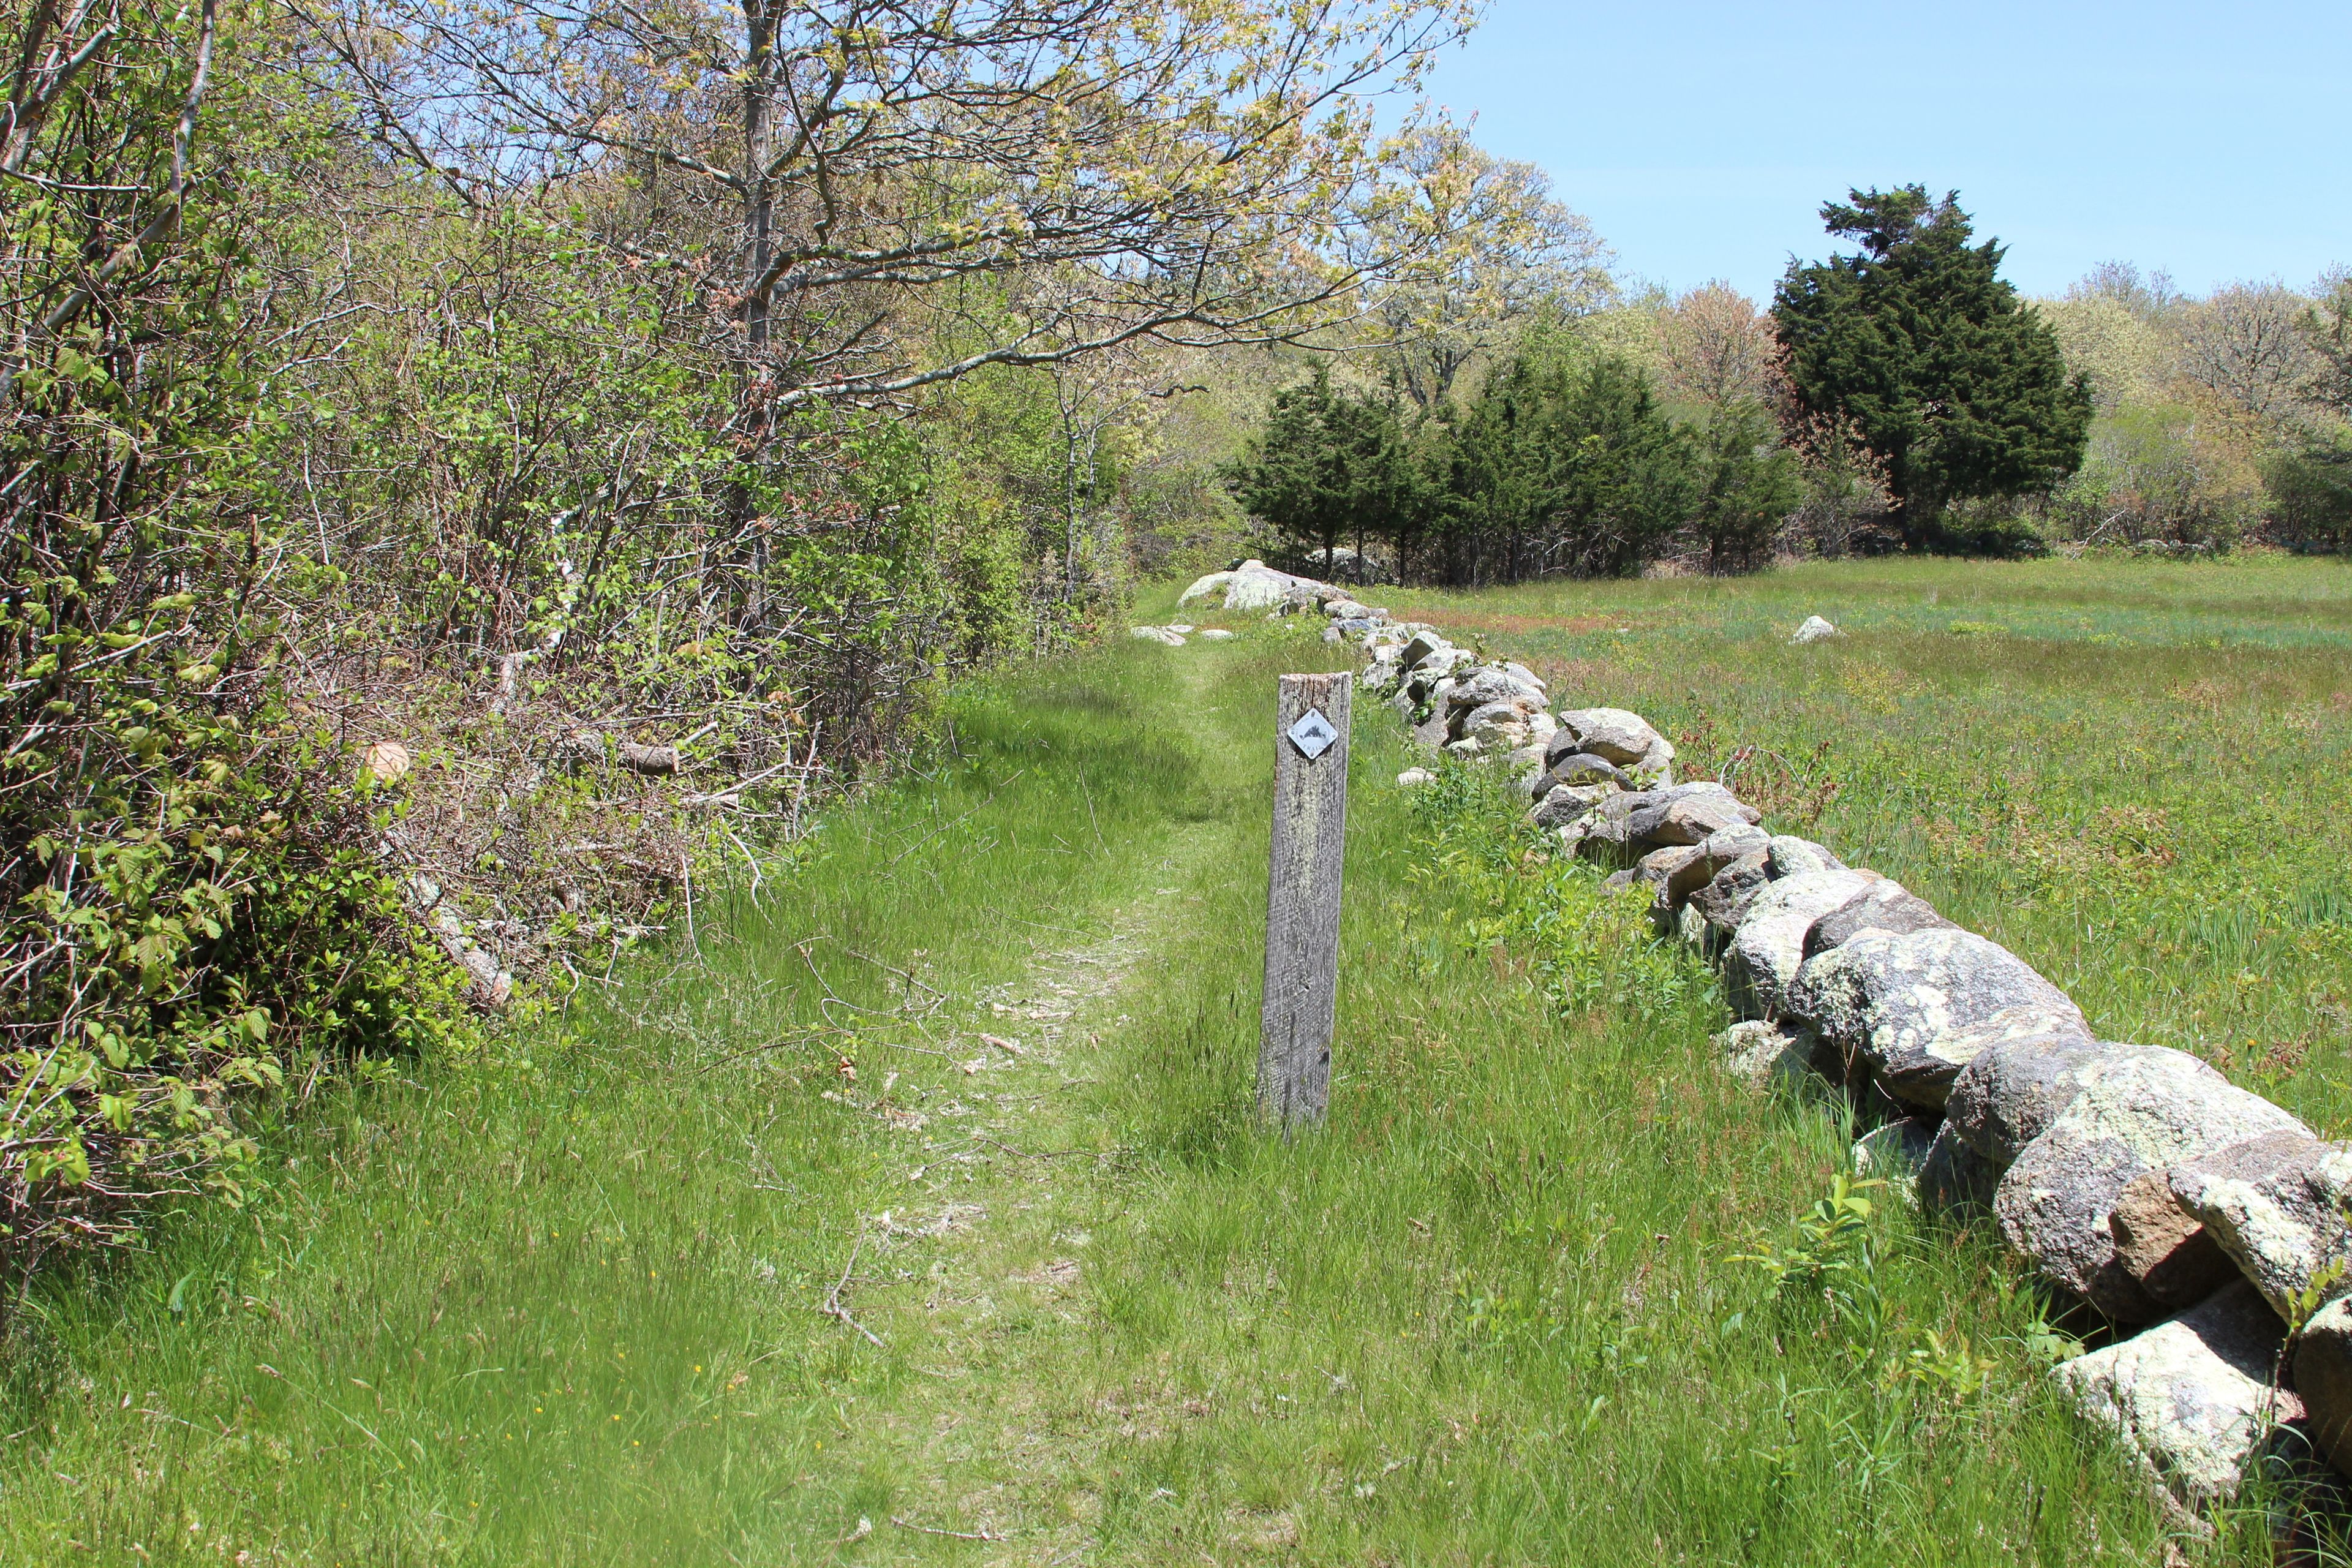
(1312, 734)
(1302, 902)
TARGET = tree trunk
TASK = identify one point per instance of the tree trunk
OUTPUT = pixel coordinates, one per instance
(760, 191)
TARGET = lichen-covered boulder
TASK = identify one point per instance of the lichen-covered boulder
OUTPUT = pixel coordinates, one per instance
(1676, 871)
(1886, 907)
(2159, 1244)
(1568, 804)
(2275, 1204)
(1762, 1054)
(1918, 1007)
(1428, 674)
(1815, 629)
(1433, 690)
(1790, 855)
(1580, 768)
(1769, 948)
(1692, 813)
(2011, 1090)
(1727, 894)
(1736, 842)
(1419, 647)
(2137, 1112)
(2192, 1398)
(1496, 727)
(1489, 683)
(1255, 585)
(1215, 583)
(1612, 732)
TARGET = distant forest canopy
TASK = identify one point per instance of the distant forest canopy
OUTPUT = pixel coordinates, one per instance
(1895, 396)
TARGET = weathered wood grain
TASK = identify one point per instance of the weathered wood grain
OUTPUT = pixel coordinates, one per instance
(1302, 906)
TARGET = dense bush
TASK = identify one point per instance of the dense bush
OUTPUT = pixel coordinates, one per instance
(2216, 415)
(191, 899)
(2311, 488)
(2155, 472)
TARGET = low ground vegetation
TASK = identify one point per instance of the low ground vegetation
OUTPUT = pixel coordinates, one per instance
(1506, 1307)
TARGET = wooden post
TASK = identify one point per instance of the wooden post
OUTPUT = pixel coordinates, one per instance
(1302, 902)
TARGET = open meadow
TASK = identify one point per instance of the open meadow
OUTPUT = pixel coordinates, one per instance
(2135, 773)
(925, 1218)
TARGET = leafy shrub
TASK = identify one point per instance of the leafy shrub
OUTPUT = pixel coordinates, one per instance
(191, 901)
(2177, 473)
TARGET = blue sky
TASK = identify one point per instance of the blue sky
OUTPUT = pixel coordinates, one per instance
(1701, 138)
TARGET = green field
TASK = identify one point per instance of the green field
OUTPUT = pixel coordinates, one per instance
(2133, 773)
(562, 1305)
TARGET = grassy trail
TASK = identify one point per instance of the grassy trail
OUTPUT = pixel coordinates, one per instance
(565, 1308)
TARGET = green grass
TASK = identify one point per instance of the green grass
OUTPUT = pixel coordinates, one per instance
(565, 1311)
(558, 1307)
(2137, 779)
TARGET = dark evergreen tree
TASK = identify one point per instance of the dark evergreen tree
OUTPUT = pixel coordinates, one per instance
(1956, 387)
(1571, 460)
(1329, 467)
(1748, 485)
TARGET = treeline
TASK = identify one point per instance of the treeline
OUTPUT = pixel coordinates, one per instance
(2220, 418)
(1896, 396)
(474, 477)
(1565, 461)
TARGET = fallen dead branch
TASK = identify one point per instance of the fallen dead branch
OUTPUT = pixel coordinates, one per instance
(833, 1307)
(950, 1534)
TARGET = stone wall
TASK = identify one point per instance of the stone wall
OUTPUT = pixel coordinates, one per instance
(2206, 1225)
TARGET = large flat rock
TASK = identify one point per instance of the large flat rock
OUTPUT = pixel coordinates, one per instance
(1919, 1005)
(2192, 1398)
